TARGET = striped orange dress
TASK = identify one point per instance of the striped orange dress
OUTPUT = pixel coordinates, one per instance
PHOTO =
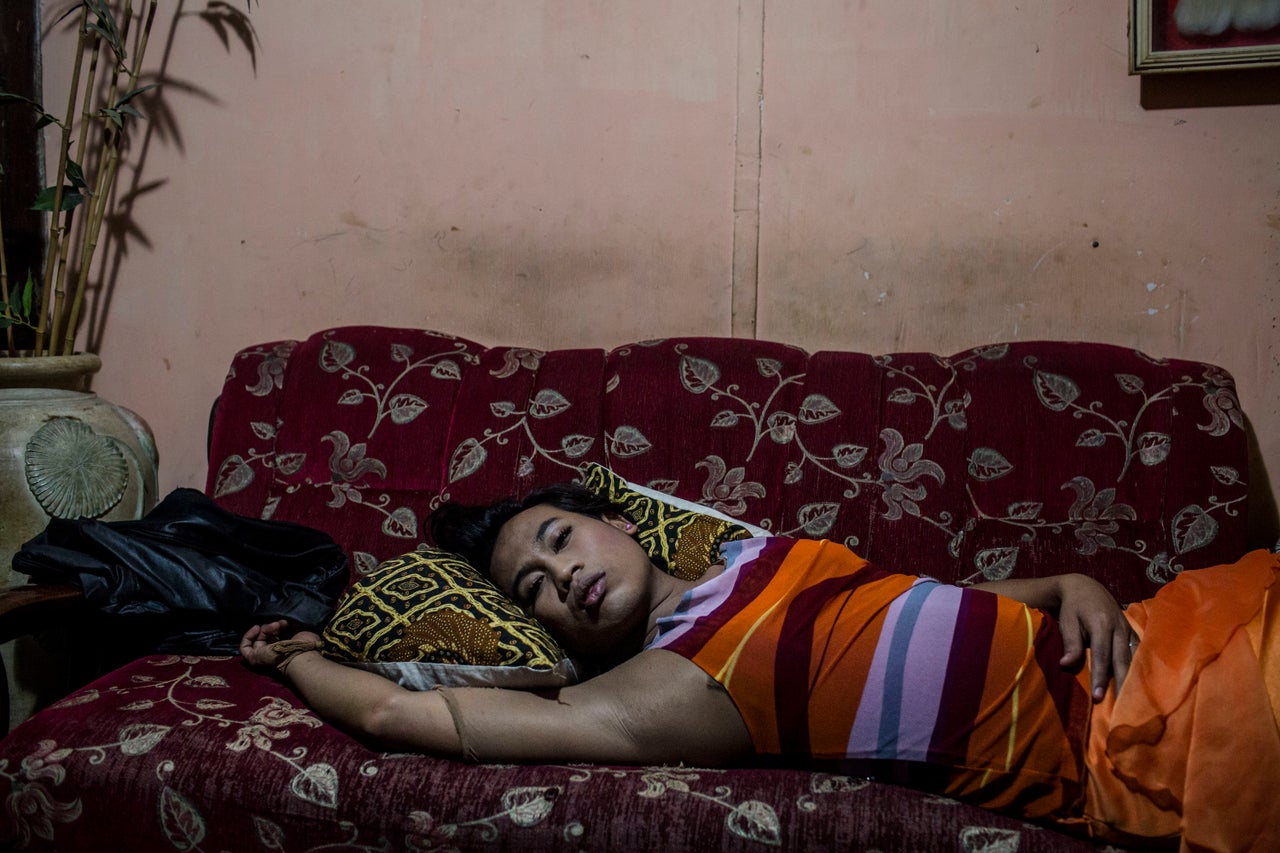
(836, 664)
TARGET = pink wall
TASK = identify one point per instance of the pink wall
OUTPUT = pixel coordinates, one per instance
(873, 175)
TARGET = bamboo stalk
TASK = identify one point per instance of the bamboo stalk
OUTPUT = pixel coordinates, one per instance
(106, 181)
(55, 234)
(4, 289)
(62, 301)
(59, 282)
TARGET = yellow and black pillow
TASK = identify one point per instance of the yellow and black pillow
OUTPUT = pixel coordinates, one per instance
(680, 538)
(431, 617)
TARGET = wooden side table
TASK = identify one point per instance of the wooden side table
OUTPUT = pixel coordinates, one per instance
(27, 610)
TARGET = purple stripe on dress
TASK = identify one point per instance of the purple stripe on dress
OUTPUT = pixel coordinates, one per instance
(740, 581)
(886, 691)
(864, 738)
(925, 670)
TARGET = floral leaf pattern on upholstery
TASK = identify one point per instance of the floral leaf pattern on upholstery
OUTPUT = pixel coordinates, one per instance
(514, 359)
(1221, 403)
(33, 808)
(727, 489)
(182, 822)
(523, 806)
(401, 407)
(270, 368)
(985, 839)
(945, 407)
(1059, 393)
(823, 784)
(471, 454)
(901, 465)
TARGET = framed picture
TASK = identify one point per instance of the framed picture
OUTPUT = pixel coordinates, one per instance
(1202, 35)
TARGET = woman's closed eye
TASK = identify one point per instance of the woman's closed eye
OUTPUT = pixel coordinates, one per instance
(531, 590)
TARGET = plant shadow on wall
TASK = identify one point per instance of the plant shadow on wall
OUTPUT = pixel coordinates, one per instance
(115, 111)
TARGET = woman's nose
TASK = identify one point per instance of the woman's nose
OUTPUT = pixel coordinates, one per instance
(562, 574)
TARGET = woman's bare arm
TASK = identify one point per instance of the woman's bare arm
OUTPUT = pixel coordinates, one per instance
(654, 708)
(657, 707)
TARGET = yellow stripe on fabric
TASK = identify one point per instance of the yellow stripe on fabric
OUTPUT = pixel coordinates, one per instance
(725, 675)
(780, 590)
(1017, 688)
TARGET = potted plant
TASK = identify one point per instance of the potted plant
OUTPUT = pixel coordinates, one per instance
(93, 112)
(65, 452)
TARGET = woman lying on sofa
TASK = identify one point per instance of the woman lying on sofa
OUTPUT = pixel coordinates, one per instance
(800, 652)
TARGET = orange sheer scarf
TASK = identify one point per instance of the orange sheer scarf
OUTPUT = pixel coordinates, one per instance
(1190, 750)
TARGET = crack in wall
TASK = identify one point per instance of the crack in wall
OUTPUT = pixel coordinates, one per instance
(748, 131)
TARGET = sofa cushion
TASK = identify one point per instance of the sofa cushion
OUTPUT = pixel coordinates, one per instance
(1008, 460)
(428, 617)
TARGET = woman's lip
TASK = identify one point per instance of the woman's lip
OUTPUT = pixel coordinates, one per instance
(591, 590)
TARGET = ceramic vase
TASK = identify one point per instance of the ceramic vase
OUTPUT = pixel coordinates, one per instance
(65, 452)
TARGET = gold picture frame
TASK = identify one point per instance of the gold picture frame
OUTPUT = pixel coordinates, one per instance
(1155, 46)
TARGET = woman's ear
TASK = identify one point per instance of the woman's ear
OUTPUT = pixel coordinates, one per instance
(621, 522)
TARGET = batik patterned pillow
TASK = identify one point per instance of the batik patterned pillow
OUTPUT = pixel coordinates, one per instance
(428, 617)
(680, 537)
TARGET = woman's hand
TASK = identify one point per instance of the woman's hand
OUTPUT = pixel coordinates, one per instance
(257, 647)
(1089, 617)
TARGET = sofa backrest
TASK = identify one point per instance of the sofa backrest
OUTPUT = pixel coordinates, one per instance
(1018, 459)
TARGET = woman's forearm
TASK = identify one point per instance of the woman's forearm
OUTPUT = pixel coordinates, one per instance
(370, 705)
(1041, 593)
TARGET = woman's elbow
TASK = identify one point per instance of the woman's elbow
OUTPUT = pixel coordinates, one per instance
(383, 719)
(409, 720)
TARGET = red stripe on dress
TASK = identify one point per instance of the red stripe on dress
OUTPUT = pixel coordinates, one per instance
(751, 581)
(966, 678)
(793, 659)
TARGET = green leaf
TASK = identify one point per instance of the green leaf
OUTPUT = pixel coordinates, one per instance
(106, 25)
(5, 322)
(76, 175)
(28, 293)
(135, 93)
(13, 96)
(70, 199)
(128, 109)
(114, 116)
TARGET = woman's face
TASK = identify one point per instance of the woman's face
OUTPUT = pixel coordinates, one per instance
(586, 579)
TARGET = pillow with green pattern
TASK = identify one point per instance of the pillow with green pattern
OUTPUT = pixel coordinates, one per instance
(680, 537)
(428, 618)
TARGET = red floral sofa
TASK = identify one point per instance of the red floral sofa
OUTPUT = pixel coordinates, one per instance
(1007, 460)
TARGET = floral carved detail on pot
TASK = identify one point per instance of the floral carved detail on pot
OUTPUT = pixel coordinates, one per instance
(66, 452)
(73, 472)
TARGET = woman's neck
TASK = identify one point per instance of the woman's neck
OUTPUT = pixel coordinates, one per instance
(669, 591)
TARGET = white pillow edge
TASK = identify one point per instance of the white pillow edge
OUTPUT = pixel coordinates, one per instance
(425, 675)
(680, 503)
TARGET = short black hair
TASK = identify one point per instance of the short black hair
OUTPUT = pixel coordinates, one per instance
(472, 531)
